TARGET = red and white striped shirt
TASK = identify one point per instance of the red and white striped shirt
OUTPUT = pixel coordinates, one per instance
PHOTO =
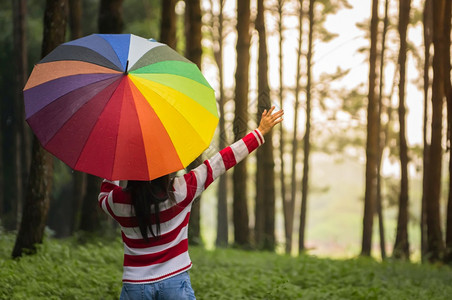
(167, 255)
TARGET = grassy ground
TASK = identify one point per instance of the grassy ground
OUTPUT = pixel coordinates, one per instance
(66, 270)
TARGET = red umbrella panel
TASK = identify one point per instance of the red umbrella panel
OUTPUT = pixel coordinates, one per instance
(120, 107)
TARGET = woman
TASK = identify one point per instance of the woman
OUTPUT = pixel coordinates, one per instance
(154, 215)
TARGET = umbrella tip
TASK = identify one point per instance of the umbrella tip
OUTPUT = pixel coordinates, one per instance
(126, 71)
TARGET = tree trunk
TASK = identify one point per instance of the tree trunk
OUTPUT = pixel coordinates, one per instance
(75, 18)
(291, 205)
(448, 91)
(21, 131)
(240, 128)
(78, 178)
(401, 246)
(381, 135)
(428, 26)
(110, 16)
(222, 193)
(306, 139)
(80, 186)
(91, 215)
(385, 142)
(168, 23)
(284, 200)
(433, 185)
(193, 52)
(36, 203)
(372, 139)
(265, 174)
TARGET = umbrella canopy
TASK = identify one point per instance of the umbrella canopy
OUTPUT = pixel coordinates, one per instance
(119, 106)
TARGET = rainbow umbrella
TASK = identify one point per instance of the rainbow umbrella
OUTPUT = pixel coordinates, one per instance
(119, 106)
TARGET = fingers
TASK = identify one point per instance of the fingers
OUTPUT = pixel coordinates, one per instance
(277, 115)
(275, 118)
(269, 112)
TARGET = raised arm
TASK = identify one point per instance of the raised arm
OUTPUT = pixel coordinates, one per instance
(201, 177)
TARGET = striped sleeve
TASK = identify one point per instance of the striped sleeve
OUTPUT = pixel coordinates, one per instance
(201, 177)
(106, 196)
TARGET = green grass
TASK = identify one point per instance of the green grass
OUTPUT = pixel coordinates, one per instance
(67, 270)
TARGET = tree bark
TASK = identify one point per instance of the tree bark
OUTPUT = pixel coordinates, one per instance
(193, 52)
(222, 194)
(306, 139)
(381, 135)
(448, 91)
(428, 27)
(401, 246)
(291, 204)
(372, 139)
(433, 185)
(265, 174)
(282, 177)
(36, 204)
(91, 216)
(75, 18)
(21, 131)
(79, 178)
(80, 189)
(168, 23)
(240, 128)
(110, 16)
(193, 34)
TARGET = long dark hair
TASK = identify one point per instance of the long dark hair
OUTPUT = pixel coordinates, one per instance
(146, 198)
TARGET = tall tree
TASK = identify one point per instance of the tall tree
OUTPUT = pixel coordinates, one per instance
(435, 243)
(21, 132)
(372, 139)
(168, 23)
(193, 51)
(282, 177)
(306, 139)
(265, 183)
(401, 246)
(291, 204)
(79, 178)
(381, 136)
(428, 40)
(36, 203)
(448, 91)
(110, 16)
(218, 35)
(240, 208)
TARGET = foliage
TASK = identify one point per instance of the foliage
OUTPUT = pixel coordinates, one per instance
(62, 270)
(67, 270)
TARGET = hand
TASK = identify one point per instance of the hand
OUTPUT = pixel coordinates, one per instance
(269, 120)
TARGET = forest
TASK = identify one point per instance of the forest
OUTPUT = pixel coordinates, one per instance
(360, 166)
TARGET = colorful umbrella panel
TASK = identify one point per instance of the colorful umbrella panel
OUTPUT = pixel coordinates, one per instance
(120, 107)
